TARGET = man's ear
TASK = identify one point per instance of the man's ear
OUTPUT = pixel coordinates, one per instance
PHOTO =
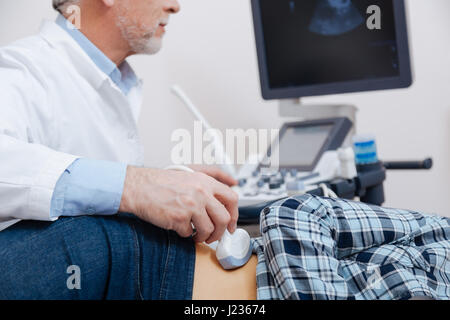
(108, 3)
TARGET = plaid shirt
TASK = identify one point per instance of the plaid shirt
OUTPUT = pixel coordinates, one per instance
(322, 248)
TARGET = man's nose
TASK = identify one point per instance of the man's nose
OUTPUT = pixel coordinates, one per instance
(172, 6)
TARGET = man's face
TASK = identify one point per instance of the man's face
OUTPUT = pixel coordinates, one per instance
(142, 22)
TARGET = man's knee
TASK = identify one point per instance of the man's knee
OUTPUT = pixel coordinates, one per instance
(306, 204)
(308, 210)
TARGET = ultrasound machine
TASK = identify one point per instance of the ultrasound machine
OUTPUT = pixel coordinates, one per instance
(320, 47)
(307, 155)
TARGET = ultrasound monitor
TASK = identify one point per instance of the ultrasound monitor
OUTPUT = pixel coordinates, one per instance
(301, 144)
(310, 138)
(319, 47)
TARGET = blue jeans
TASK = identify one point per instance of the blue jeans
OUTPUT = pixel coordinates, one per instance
(91, 257)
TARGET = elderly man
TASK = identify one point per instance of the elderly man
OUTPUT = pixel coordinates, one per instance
(70, 155)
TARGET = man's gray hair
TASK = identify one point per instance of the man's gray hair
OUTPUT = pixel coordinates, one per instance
(60, 5)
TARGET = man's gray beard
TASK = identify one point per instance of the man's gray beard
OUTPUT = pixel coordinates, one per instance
(132, 34)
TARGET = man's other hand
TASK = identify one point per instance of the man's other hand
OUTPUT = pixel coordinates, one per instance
(174, 200)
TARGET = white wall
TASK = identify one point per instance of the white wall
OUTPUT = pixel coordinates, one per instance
(209, 50)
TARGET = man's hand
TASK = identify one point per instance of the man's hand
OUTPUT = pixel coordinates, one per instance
(172, 200)
(216, 173)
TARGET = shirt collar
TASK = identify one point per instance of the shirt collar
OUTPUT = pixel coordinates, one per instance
(123, 76)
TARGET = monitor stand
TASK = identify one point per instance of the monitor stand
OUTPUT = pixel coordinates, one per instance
(294, 108)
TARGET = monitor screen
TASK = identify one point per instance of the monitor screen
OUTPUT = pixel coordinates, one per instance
(312, 47)
(299, 146)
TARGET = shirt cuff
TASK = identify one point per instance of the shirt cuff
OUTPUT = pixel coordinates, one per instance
(89, 187)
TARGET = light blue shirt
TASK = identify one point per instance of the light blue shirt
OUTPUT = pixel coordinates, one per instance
(89, 187)
(92, 187)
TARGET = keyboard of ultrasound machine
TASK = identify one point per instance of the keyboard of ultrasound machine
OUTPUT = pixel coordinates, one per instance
(264, 188)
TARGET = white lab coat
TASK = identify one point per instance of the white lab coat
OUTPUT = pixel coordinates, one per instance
(56, 105)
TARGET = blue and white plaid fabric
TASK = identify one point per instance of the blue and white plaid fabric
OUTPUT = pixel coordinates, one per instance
(322, 248)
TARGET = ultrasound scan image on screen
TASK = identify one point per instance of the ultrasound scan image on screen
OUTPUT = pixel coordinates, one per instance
(299, 146)
(313, 42)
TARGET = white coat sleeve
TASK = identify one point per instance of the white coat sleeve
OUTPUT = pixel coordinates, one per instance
(29, 170)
